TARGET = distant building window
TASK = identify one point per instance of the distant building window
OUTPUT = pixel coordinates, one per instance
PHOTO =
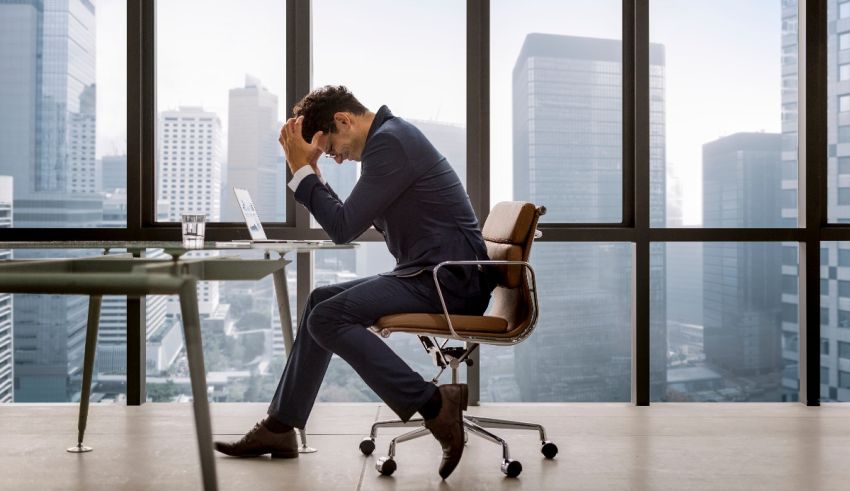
(844, 289)
(844, 257)
(844, 380)
(843, 319)
(844, 165)
(844, 41)
(844, 103)
(844, 10)
(824, 375)
(843, 196)
(789, 313)
(844, 72)
(844, 134)
(824, 346)
(824, 315)
(844, 350)
(824, 287)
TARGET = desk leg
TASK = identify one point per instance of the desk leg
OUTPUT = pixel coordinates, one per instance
(282, 292)
(195, 356)
(88, 368)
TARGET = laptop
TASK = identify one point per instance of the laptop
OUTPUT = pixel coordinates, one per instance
(255, 228)
(252, 220)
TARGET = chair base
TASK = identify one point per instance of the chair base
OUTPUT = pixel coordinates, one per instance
(472, 424)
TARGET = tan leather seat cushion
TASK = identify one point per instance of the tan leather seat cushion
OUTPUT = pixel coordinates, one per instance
(476, 324)
(509, 276)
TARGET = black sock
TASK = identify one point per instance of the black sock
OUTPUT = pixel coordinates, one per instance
(431, 408)
(275, 426)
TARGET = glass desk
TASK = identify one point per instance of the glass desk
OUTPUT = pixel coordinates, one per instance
(124, 274)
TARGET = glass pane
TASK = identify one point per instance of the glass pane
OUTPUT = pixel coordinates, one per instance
(838, 114)
(731, 320)
(581, 347)
(556, 108)
(63, 99)
(48, 335)
(420, 75)
(729, 96)
(220, 108)
(835, 321)
(243, 343)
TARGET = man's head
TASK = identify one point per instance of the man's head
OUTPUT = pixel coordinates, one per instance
(344, 121)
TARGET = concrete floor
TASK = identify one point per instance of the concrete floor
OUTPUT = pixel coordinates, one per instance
(602, 446)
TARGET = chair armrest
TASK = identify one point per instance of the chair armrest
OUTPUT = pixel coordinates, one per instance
(488, 262)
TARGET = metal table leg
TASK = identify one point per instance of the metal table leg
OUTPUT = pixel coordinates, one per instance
(195, 356)
(88, 368)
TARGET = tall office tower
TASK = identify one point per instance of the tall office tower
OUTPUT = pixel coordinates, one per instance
(111, 355)
(113, 173)
(189, 174)
(254, 154)
(190, 162)
(567, 141)
(7, 362)
(835, 256)
(742, 283)
(47, 95)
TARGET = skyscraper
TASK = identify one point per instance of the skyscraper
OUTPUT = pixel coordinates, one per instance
(188, 174)
(835, 256)
(254, 157)
(567, 156)
(742, 282)
(47, 95)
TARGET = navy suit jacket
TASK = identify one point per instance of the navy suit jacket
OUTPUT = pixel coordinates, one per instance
(412, 196)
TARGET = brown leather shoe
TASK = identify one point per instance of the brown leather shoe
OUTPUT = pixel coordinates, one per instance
(260, 441)
(447, 426)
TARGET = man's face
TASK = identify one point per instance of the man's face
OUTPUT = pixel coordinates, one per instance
(342, 143)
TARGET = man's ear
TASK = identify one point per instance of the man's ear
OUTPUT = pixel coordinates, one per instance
(342, 119)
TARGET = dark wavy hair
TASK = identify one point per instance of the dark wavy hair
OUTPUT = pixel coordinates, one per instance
(319, 106)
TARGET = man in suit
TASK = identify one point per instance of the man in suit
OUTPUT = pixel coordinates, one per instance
(411, 195)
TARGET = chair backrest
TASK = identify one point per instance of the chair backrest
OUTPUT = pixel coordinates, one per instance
(509, 233)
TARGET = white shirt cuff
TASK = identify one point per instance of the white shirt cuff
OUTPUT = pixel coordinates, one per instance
(299, 176)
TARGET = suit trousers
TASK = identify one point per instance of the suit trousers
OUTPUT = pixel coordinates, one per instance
(336, 320)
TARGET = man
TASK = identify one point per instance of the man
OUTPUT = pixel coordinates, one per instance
(411, 195)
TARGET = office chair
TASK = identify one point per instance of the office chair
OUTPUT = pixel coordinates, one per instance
(509, 231)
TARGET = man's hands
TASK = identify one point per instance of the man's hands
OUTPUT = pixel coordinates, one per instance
(299, 152)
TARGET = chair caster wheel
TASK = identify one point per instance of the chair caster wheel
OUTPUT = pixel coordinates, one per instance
(385, 465)
(367, 446)
(511, 468)
(549, 450)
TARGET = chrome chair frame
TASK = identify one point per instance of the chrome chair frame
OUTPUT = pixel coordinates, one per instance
(449, 358)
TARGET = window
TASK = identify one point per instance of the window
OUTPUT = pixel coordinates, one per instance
(63, 122)
(844, 10)
(844, 196)
(844, 41)
(844, 103)
(824, 346)
(546, 57)
(843, 379)
(844, 350)
(234, 91)
(844, 72)
(580, 350)
(728, 317)
(844, 165)
(728, 171)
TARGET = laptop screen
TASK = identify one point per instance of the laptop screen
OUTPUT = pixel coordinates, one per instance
(246, 204)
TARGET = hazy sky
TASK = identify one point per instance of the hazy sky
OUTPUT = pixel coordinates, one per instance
(723, 63)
